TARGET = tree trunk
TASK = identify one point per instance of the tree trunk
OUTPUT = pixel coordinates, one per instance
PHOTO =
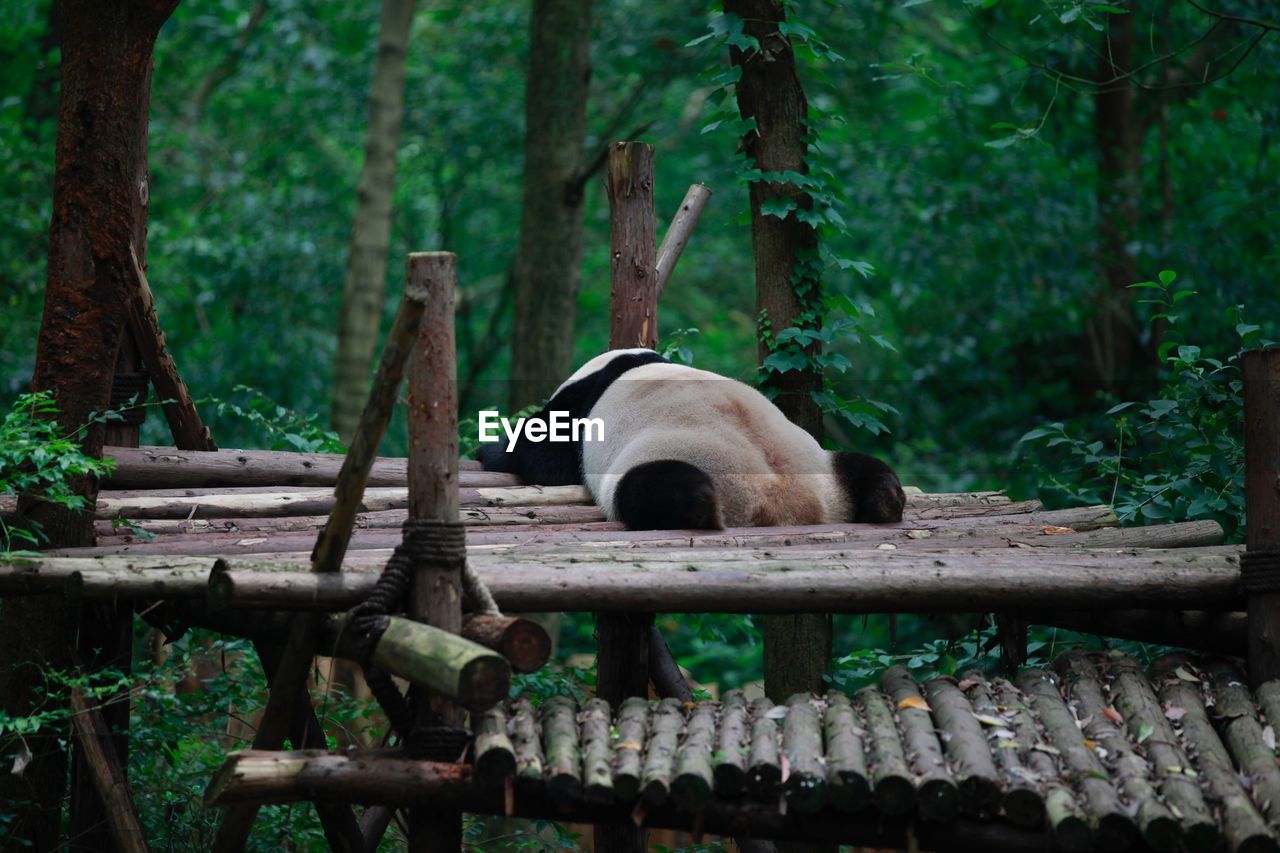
(549, 259)
(1115, 352)
(99, 209)
(797, 648)
(364, 284)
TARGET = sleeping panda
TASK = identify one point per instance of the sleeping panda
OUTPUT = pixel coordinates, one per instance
(688, 449)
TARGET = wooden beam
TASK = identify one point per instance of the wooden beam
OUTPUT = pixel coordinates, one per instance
(679, 232)
(107, 775)
(152, 467)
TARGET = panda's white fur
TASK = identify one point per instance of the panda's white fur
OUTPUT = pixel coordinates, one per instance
(765, 469)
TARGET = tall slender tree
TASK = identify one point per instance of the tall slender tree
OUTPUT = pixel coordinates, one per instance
(796, 647)
(549, 258)
(364, 284)
(100, 196)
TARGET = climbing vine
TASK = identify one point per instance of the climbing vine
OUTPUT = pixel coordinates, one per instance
(814, 197)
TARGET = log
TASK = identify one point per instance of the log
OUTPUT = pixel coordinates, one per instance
(692, 783)
(628, 747)
(660, 752)
(109, 779)
(966, 748)
(678, 234)
(805, 785)
(523, 642)
(732, 745)
(1062, 810)
(561, 748)
(1237, 719)
(188, 430)
(1021, 801)
(937, 796)
(292, 777)
(994, 532)
(1113, 828)
(891, 783)
(446, 663)
(154, 467)
(847, 786)
(495, 754)
(597, 752)
(1156, 823)
(1210, 631)
(764, 766)
(1147, 724)
(664, 672)
(792, 581)
(1178, 683)
(526, 738)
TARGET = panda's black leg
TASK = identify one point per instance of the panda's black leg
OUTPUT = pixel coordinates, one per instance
(667, 495)
(873, 488)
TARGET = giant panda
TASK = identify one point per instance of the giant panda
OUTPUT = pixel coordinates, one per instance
(688, 449)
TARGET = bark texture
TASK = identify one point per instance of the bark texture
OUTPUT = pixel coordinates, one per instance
(100, 196)
(797, 648)
(364, 285)
(549, 258)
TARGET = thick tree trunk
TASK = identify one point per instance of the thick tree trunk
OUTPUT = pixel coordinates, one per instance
(797, 648)
(1115, 351)
(549, 259)
(364, 285)
(99, 209)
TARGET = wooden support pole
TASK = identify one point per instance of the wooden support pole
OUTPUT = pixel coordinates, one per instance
(107, 776)
(189, 431)
(436, 594)
(290, 677)
(679, 231)
(1261, 570)
(622, 640)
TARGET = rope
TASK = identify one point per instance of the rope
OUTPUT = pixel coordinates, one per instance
(424, 542)
(1260, 571)
(129, 396)
(476, 595)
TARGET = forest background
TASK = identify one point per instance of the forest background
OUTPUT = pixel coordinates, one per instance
(990, 178)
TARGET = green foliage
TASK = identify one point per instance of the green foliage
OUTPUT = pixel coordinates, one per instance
(1176, 457)
(39, 460)
(280, 427)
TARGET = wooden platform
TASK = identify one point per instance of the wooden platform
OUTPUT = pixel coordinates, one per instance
(1098, 755)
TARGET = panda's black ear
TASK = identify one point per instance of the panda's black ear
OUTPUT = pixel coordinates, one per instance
(874, 491)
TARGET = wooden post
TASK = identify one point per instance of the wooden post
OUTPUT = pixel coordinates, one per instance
(436, 595)
(290, 677)
(679, 231)
(622, 639)
(1261, 569)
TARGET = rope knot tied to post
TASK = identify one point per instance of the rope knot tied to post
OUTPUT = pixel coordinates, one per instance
(1260, 570)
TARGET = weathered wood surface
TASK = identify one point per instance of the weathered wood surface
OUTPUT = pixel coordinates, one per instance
(674, 764)
(269, 502)
(158, 467)
(919, 536)
(796, 580)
